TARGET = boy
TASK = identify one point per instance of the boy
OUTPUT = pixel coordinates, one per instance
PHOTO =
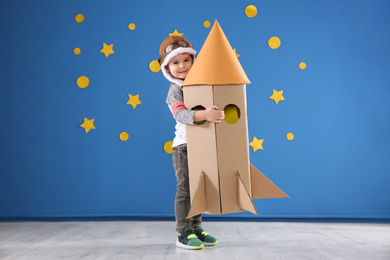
(176, 57)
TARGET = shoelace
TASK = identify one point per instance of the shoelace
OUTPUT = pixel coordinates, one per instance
(204, 233)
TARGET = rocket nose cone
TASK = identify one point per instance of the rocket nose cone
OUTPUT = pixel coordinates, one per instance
(216, 64)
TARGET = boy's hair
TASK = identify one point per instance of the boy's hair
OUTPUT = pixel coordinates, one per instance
(176, 49)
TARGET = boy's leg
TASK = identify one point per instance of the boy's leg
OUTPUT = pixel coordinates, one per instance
(186, 237)
(196, 221)
(206, 238)
(182, 200)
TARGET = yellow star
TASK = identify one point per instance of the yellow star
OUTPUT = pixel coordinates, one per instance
(88, 124)
(235, 52)
(133, 100)
(277, 96)
(107, 49)
(257, 144)
(176, 33)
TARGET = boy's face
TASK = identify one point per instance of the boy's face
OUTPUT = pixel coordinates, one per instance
(180, 65)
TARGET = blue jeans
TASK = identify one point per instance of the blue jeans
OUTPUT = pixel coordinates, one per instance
(182, 200)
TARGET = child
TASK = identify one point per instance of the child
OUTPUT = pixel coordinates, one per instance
(176, 57)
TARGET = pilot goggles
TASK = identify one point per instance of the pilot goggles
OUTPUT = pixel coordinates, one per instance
(170, 47)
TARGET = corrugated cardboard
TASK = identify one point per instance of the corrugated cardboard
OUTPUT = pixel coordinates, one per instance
(221, 178)
(232, 145)
(202, 148)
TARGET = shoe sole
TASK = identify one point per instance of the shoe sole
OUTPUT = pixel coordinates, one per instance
(210, 244)
(178, 244)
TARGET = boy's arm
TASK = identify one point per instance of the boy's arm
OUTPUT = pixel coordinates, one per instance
(175, 102)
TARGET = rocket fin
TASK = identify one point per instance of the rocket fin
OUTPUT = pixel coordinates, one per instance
(263, 188)
(244, 201)
(199, 203)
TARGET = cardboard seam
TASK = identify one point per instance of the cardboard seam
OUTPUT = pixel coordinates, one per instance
(216, 144)
(205, 190)
(237, 204)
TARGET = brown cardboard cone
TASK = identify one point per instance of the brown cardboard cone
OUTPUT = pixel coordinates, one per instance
(216, 63)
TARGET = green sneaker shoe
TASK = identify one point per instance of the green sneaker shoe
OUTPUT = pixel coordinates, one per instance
(206, 238)
(189, 240)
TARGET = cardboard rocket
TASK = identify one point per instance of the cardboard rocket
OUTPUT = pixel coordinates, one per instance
(222, 180)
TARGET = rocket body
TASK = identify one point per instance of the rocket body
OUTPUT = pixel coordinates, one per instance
(222, 180)
(219, 150)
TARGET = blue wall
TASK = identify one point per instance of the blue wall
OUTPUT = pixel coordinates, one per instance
(337, 166)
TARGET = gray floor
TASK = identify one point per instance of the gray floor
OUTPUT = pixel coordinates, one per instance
(156, 240)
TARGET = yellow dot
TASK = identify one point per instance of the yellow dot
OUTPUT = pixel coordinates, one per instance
(290, 136)
(131, 26)
(251, 11)
(232, 114)
(206, 24)
(274, 42)
(79, 18)
(168, 147)
(154, 66)
(124, 136)
(302, 65)
(82, 82)
(76, 51)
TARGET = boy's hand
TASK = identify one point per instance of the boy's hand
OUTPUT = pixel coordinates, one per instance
(213, 114)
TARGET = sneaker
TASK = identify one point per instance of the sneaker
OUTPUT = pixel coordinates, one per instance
(206, 238)
(189, 240)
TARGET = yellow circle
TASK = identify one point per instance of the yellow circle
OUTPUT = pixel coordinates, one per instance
(251, 11)
(124, 136)
(79, 18)
(131, 26)
(168, 147)
(274, 42)
(206, 24)
(232, 114)
(154, 66)
(302, 65)
(290, 136)
(77, 51)
(82, 82)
